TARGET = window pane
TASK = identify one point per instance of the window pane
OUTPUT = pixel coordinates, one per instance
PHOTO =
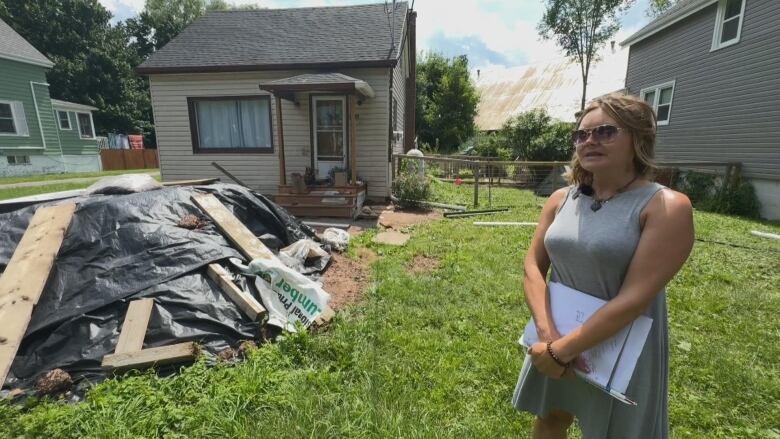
(85, 125)
(255, 126)
(329, 115)
(730, 29)
(663, 112)
(650, 98)
(242, 123)
(330, 144)
(665, 97)
(64, 121)
(733, 8)
(7, 126)
(5, 111)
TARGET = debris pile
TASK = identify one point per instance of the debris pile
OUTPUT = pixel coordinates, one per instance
(102, 283)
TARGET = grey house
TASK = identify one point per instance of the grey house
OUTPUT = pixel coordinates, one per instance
(711, 68)
(268, 93)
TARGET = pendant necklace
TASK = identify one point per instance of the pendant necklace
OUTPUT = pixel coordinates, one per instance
(598, 203)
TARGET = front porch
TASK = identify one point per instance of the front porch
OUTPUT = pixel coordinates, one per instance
(330, 186)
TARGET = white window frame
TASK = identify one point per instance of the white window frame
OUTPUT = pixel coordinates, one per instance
(91, 122)
(657, 89)
(59, 121)
(16, 117)
(719, 22)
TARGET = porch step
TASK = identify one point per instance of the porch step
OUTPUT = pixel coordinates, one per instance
(318, 210)
(318, 200)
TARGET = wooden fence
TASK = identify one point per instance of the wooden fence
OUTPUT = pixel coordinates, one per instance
(119, 159)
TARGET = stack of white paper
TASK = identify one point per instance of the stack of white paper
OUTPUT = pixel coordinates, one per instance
(612, 362)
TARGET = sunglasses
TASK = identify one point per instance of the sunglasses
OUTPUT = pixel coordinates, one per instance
(601, 134)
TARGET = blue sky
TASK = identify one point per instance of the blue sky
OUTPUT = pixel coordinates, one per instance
(493, 33)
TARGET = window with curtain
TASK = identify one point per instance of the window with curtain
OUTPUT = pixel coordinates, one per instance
(86, 130)
(231, 124)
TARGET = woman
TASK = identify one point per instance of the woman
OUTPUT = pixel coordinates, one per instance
(618, 236)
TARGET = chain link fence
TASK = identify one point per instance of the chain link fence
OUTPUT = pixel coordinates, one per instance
(697, 179)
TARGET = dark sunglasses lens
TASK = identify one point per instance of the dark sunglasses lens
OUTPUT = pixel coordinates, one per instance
(605, 132)
(579, 136)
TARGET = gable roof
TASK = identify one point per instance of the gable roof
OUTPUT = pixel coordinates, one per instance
(265, 39)
(680, 10)
(16, 48)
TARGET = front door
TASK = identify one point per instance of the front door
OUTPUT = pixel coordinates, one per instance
(330, 133)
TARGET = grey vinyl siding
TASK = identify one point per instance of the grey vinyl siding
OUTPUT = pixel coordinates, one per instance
(399, 93)
(261, 171)
(726, 105)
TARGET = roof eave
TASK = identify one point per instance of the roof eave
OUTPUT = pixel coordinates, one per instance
(65, 105)
(141, 70)
(48, 64)
(657, 26)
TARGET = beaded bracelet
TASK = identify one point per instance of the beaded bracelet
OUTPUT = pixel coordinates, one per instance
(555, 357)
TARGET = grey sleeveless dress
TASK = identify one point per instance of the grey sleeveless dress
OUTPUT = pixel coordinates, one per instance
(590, 252)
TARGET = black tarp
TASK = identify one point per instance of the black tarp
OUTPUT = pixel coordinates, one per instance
(124, 247)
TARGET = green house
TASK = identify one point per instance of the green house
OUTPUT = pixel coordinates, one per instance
(38, 134)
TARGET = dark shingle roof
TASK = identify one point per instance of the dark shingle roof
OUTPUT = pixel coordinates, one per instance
(13, 46)
(283, 38)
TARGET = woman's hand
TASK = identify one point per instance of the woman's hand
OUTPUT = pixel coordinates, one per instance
(545, 364)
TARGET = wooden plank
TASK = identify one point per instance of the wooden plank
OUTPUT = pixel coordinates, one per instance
(202, 181)
(177, 353)
(251, 307)
(26, 274)
(352, 139)
(248, 244)
(235, 230)
(131, 338)
(282, 167)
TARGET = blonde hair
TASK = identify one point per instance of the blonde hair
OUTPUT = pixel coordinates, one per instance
(637, 118)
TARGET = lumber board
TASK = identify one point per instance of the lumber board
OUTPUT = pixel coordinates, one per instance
(176, 353)
(248, 244)
(251, 307)
(131, 338)
(198, 182)
(26, 274)
(234, 229)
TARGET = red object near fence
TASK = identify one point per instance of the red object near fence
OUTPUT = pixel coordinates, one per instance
(136, 141)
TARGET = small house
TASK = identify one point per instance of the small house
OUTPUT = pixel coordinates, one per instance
(38, 134)
(305, 104)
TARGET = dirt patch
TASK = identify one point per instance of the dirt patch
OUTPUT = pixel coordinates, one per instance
(346, 279)
(423, 264)
(398, 219)
(192, 222)
(54, 382)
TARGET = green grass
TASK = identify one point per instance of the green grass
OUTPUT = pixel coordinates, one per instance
(435, 355)
(47, 177)
(6, 194)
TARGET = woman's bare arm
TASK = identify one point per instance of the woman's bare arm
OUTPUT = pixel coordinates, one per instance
(535, 268)
(664, 246)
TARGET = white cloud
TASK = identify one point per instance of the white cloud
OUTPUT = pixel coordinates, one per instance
(114, 5)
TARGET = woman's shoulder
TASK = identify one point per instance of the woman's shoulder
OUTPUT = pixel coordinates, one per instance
(669, 205)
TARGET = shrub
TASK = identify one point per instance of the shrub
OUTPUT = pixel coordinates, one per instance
(737, 199)
(410, 187)
(535, 136)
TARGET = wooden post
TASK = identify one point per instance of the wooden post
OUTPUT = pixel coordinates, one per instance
(282, 168)
(352, 139)
(475, 171)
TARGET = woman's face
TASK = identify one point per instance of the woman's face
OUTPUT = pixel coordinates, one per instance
(605, 148)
